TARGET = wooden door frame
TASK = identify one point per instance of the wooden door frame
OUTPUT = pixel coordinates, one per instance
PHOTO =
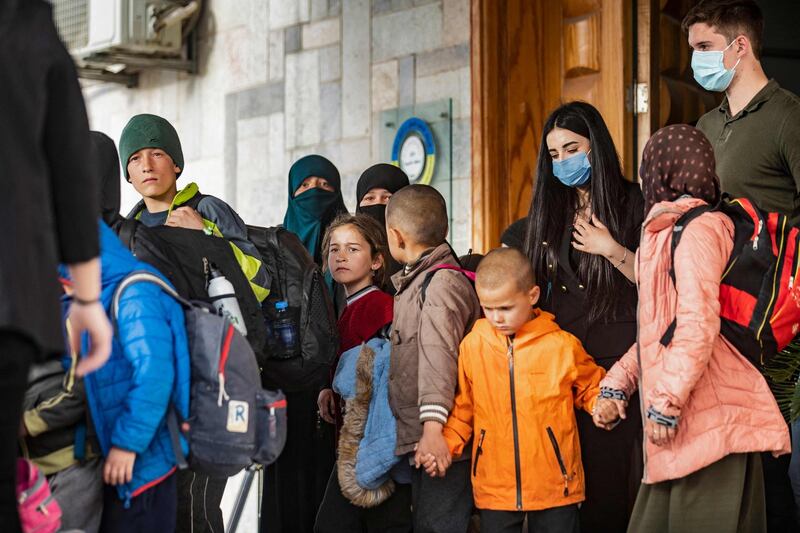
(489, 210)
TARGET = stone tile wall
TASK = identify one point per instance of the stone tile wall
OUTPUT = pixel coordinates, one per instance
(280, 79)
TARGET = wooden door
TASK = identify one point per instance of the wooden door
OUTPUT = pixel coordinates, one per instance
(528, 56)
(664, 66)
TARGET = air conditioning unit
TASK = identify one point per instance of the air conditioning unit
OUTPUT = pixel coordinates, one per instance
(126, 33)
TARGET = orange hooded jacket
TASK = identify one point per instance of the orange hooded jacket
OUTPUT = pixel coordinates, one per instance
(517, 400)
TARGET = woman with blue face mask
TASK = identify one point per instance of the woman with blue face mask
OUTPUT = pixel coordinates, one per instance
(583, 231)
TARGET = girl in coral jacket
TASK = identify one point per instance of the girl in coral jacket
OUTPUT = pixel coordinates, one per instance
(707, 410)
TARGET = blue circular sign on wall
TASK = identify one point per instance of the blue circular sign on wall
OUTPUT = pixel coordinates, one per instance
(414, 150)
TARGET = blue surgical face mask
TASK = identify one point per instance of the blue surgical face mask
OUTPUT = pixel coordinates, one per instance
(709, 69)
(573, 172)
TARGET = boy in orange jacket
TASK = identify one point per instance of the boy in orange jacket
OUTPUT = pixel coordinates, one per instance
(520, 377)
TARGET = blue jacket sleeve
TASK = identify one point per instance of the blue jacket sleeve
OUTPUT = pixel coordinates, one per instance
(147, 344)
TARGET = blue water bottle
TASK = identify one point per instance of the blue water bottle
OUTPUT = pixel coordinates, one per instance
(285, 330)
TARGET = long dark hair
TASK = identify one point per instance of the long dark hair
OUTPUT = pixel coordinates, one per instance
(554, 204)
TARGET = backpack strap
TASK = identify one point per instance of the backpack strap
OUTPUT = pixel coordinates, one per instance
(194, 201)
(436, 268)
(677, 233)
(173, 425)
(126, 231)
(135, 277)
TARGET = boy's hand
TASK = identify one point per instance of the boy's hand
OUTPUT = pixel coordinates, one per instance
(326, 402)
(185, 217)
(433, 443)
(659, 434)
(118, 468)
(608, 412)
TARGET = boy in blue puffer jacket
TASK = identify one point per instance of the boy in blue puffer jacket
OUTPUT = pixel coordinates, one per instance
(129, 398)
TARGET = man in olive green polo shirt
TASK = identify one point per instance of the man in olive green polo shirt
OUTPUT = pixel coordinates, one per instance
(756, 137)
(756, 130)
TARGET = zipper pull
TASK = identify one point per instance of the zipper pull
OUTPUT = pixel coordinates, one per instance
(273, 423)
(755, 239)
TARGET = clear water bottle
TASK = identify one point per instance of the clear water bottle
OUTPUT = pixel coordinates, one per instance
(223, 297)
(285, 330)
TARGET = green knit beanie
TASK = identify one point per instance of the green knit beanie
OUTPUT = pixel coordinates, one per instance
(149, 131)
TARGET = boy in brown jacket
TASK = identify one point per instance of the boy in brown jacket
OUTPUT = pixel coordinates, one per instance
(432, 314)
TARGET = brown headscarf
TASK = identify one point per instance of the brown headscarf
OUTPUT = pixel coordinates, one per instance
(678, 160)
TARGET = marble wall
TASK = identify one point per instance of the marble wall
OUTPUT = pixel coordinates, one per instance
(279, 79)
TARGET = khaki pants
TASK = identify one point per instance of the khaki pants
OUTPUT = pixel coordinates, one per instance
(724, 497)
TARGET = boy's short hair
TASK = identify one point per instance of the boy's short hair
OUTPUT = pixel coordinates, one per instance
(420, 212)
(730, 18)
(149, 131)
(373, 233)
(503, 265)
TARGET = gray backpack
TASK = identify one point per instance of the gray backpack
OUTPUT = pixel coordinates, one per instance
(233, 421)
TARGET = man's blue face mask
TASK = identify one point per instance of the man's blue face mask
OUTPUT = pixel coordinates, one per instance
(574, 171)
(709, 69)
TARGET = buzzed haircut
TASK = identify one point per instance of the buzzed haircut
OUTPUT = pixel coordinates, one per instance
(504, 265)
(420, 212)
(730, 18)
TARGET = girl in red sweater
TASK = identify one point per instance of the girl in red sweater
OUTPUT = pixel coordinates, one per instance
(355, 252)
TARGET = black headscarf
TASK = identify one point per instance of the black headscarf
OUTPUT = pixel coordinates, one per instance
(106, 166)
(514, 234)
(380, 176)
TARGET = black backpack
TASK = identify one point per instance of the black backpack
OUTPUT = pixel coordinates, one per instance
(296, 279)
(758, 294)
(179, 254)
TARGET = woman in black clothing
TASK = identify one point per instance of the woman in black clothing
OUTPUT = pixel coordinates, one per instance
(582, 234)
(374, 188)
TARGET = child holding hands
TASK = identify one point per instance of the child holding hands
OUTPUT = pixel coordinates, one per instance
(434, 309)
(707, 409)
(520, 378)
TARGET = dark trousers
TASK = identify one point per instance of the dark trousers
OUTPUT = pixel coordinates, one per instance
(781, 511)
(199, 497)
(16, 355)
(442, 504)
(556, 520)
(338, 515)
(612, 462)
(294, 485)
(153, 510)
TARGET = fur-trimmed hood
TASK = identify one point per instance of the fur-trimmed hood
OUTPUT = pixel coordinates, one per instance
(368, 436)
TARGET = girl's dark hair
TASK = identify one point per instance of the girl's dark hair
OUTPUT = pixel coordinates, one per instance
(372, 232)
(554, 204)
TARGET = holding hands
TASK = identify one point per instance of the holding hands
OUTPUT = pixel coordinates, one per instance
(431, 451)
(609, 412)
